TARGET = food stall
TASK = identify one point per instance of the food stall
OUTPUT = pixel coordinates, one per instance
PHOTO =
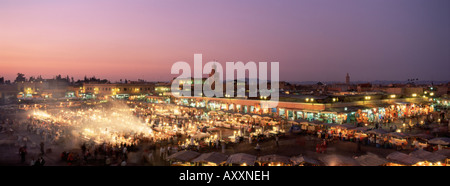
(446, 153)
(439, 143)
(273, 160)
(420, 141)
(347, 134)
(227, 124)
(431, 159)
(304, 125)
(371, 159)
(304, 161)
(397, 139)
(241, 159)
(182, 158)
(338, 160)
(210, 159)
(359, 132)
(402, 159)
(375, 136)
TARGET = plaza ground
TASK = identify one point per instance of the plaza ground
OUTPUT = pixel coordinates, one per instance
(289, 145)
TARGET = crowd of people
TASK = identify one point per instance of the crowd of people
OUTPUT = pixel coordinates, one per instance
(107, 134)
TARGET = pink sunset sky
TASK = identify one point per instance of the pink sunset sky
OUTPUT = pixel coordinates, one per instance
(141, 39)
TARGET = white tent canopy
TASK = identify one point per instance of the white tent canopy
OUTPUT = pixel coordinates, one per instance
(214, 157)
(428, 156)
(440, 141)
(402, 158)
(371, 160)
(338, 160)
(241, 158)
(184, 156)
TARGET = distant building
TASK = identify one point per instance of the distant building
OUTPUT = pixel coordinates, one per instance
(365, 87)
(42, 88)
(117, 90)
(347, 79)
(7, 93)
(163, 89)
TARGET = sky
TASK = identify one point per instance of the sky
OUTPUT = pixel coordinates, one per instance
(313, 40)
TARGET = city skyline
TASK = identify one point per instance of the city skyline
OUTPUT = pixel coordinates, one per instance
(312, 40)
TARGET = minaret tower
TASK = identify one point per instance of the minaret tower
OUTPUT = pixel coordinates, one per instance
(347, 79)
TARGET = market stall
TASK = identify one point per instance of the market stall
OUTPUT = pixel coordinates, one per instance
(273, 160)
(304, 125)
(375, 136)
(446, 153)
(431, 159)
(345, 131)
(304, 161)
(396, 139)
(420, 141)
(241, 159)
(371, 160)
(210, 159)
(338, 160)
(359, 132)
(182, 158)
(440, 141)
(402, 159)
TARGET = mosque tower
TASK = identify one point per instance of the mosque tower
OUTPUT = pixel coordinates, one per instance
(347, 79)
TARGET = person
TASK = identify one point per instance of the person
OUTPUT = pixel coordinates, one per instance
(83, 148)
(323, 148)
(358, 148)
(168, 151)
(223, 147)
(107, 161)
(150, 156)
(124, 163)
(95, 154)
(86, 155)
(41, 161)
(276, 140)
(124, 150)
(63, 156)
(161, 152)
(42, 148)
(32, 162)
(70, 158)
(22, 153)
